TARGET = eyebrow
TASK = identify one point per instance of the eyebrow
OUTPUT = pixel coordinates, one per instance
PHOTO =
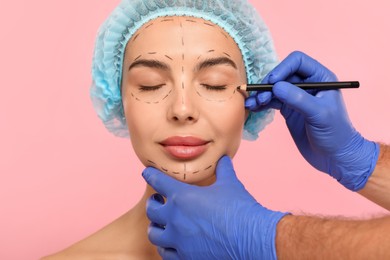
(214, 62)
(154, 64)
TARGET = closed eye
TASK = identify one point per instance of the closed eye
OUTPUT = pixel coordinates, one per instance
(150, 88)
(214, 87)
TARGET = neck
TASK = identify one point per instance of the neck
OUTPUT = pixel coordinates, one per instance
(135, 225)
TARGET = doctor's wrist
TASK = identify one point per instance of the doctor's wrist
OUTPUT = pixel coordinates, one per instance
(353, 166)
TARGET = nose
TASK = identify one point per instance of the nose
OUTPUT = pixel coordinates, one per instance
(183, 107)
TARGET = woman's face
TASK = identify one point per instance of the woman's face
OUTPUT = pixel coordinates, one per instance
(181, 105)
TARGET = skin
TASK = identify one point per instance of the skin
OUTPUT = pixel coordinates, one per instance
(377, 188)
(182, 44)
(310, 237)
(183, 112)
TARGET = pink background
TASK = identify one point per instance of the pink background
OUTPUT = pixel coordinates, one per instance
(63, 176)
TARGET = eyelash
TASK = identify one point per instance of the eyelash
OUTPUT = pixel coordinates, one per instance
(150, 88)
(215, 88)
(157, 87)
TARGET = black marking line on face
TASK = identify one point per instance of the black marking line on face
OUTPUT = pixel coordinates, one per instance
(191, 21)
(208, 167)
(167, 94)
(185, 169)
(167, 20)
(147, 102)
(209, 24)
(211, 100)
(224, 34)
(182, 59)
(151, 102)
(138, 57)
(148, 25)
(135, 37)
(221, 100)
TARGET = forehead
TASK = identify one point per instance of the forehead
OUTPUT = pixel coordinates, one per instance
(181, 34)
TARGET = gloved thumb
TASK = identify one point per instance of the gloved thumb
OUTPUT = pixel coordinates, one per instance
(296, 98)
(161, 182)
(225, 171)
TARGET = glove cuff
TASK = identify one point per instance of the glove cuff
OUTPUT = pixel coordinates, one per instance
(271, 247)
(264, 246)
(355, 167)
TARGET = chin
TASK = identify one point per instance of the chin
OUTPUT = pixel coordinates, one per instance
(204, 178)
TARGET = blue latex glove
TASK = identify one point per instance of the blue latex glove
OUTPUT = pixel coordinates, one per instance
(318, 121)
(221, 221)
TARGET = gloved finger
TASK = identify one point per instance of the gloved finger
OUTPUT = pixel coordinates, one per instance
(225, 171)
(168, 253)
(296, 63)
(274, 103)
(155, 210)
(296, 98)
(251, 103)
(159, 236)
(294, 79)
(263, 97)
(161, 182)
(258, 100)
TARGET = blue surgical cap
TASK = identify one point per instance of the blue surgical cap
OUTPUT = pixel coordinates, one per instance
(237, 17)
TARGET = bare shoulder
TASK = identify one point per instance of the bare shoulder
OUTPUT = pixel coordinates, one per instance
(123, 239)
(74, 253)
(67, 255)
(90, 249)
(94, 247)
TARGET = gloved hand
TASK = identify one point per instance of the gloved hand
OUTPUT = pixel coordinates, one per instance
(221, 221)
(318, 121)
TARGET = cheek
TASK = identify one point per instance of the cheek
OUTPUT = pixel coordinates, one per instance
(140, 122)
(229, 125)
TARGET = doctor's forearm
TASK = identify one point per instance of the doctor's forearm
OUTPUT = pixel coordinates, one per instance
(304, 237)
(377, 188)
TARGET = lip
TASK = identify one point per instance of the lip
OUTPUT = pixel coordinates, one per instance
(184, 147)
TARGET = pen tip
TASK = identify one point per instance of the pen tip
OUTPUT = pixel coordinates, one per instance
(242, 87)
